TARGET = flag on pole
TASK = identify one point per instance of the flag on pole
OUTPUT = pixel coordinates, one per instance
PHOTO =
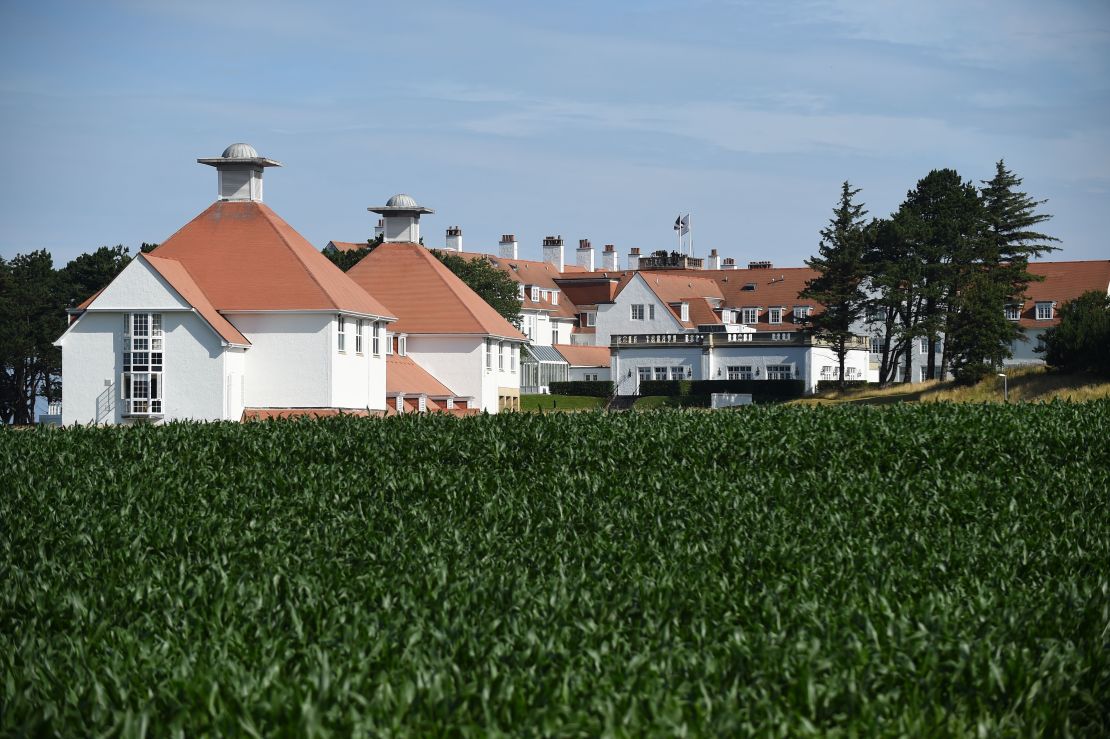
(678, 224)
(682, 225)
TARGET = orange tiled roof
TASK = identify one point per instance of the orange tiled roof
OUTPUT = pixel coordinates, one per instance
(263, 414)
(244, 257)
(775, 287)
(403, 375)
(347, 245)
(578, 355)
(529, 272)
(1063, 281)
(426, 297)
(179, 279)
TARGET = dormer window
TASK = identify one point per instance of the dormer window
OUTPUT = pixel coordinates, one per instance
(1013, 312)
(554, 297)
(535, 294)
(749, 316)
(520, 292)
(1044, 311)
(774, 315)
(388, 344)
(684, 311)
(801, 312)
(591, 319)
(402, 345)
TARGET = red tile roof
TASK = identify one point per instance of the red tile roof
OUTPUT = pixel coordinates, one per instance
(528, 272)
(403, 375)
(263, 414)
(244, 257)
(1064, 281)
(426, 297)
(578, 355)
(179, 279)
(347, 245)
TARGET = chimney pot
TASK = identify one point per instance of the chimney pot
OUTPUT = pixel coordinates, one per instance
(454, 238)
(508, 249)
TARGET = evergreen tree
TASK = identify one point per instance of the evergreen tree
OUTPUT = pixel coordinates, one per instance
(894, 303)
(840, 277)
(32, 308)
(1081, 340)
(943, 221)
(979, 333)
(1012, 215)
(91, 272)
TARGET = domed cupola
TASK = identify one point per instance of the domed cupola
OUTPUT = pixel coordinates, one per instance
(240, 172)
(402, 218)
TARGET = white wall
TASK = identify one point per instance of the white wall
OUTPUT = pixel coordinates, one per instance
(616, 317)
(289, 364)
(193, 379)
(579, 373)
(633, 357)
(1024, 350)
(235, 365)
(459, 363)
(139, 288)
(358, 380)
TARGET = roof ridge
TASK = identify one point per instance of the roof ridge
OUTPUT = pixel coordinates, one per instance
(436, 267)
(270, 215)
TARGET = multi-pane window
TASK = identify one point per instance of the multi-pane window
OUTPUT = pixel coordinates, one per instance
(749, 315)
(1013, 312)
(740, 372)
(678, 373)
(801, 312)
(637, 312)
(1044, 311)
(876, 345)
(644, 373)
(402, 345)
(360, 332)
(535, 294)
(660, 373)
(489, 354)
(779, 372)
(501, 355)
(774, 315)
(651, 311)
(554, 297)
(923, 345)
(388, 344)
(513, 349)
(376, 339)
(141, 382)
(342, 334)
(828, 372)
(554, 334)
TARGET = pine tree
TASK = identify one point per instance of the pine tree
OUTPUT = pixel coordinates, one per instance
(1012, 215)
(839, 284)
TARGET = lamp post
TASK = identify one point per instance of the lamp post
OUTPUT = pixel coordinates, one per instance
(1005, 387)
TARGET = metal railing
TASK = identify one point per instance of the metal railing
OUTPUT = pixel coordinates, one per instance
(787, 338)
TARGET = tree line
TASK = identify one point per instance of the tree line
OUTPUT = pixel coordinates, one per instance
(945, 264)
(34, 296)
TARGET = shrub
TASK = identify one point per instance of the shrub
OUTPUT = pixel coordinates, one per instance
(1081, 341)
(825, 386)
(760, 390)
(590, 388)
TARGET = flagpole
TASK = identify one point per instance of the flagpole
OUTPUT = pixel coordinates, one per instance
(690, 232)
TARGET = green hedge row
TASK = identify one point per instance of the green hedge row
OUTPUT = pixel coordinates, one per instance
(759, 389)
(591, 388)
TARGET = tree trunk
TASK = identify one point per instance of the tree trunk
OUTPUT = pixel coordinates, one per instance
(931, 360)
(841, 350)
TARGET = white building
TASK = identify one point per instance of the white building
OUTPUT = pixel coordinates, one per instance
(234, 315)
(443, 325)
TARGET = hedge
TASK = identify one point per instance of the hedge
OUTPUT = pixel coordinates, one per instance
(590, 388)
(760, 390)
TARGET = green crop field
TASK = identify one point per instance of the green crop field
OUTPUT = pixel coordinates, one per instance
(933, 569)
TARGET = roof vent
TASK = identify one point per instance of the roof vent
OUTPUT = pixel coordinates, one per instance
(240, 172)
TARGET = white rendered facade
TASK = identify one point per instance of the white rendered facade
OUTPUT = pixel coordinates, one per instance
(484, 368)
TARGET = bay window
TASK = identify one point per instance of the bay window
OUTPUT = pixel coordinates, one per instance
(141, 381)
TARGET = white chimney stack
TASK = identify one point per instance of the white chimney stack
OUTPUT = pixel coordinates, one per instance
(239, 171)
(585, 255)
(553, 251)
(402, 218)
(714, 261)
(729, 263)
(507, 249)
(634, 258)
(454, 238)
(609, 259)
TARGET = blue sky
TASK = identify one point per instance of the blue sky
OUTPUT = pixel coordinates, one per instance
(599, 120)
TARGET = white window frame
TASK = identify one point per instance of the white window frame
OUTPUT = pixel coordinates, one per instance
(143, 365)
(801, 312)
(388, 344)
(637, 312)
(554, 333)
(661, 373)
(360, 331)
(489, 354)
(591, 318)
(1045, 310)
(749, 316)
(780, 372)
(513, 349)
(376, 340)
(554, 297)
(644, 374)
(1013, 312)
(402, 345)
(684, 311)
(678, 372)
(774, 315)
(535, 294)
(501, 356)
(341, 329)
(876, 345)
(651, 311)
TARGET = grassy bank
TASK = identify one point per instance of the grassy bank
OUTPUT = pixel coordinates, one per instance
(560, 403)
